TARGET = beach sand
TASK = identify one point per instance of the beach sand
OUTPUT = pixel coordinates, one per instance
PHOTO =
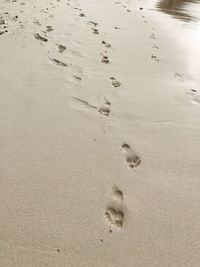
(99, 133)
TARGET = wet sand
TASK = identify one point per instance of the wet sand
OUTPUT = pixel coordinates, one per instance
(99, 136)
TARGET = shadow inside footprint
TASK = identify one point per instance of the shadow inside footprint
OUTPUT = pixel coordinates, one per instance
(132, 159)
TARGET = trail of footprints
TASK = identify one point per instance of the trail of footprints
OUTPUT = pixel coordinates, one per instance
(114, 213)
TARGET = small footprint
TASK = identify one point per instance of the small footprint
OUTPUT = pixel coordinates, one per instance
(105, 59)
(155, 47)
(49, 28)
(152, 36)
(58, 62)
(106, 44)
(115, 83)
(155, 58)
(39, 37)
(114, 212)
(78, 78)
(93, 23)
(132, 159)
(95, 31)
(178, 76)
(61, 48)
(194, 96)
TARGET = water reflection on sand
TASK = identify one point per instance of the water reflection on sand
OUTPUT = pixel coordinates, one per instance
(183, 24)
(179, 9)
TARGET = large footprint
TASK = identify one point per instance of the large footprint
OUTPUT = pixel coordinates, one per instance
(114, 212)
(132, 159)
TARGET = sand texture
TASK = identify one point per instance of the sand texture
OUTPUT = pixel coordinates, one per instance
(99, 138)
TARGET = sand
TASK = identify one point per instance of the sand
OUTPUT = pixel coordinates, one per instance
(99, 138)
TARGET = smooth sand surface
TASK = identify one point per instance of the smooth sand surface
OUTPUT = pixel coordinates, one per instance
(99, 138)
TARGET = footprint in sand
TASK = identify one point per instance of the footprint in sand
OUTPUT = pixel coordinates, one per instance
(39, 37)
(155, 47)
(49, 29)
(195, 101)
(155, 58)
(95, 31)
(178, 76)
(194, 96)
(104, 109)
(77, 78)
(58, 62)
(115, 83)
(93, 23)
(82, 15)
(152, 36)
(105, 59)
(61, 48)
(131, 158)
(106, 44)
(114, 212)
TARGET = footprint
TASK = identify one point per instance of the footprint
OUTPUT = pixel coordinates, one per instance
(152, 36)
(178, 76)
(105, 108)
(155, 47)
(93, 23)
(106, 44)
(49, 28)
(194, 96)
(105, 59)
(61, 48)
(114, 212)
(195, 101)
(115, 83)
(58, 62)
(132, 159)
(39, 37)
(155, 58)
(95, 31)
(77, 78)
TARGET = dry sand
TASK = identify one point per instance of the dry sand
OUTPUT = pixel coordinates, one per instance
(99, 139)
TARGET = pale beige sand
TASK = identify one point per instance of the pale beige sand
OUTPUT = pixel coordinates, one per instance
(99, 160)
